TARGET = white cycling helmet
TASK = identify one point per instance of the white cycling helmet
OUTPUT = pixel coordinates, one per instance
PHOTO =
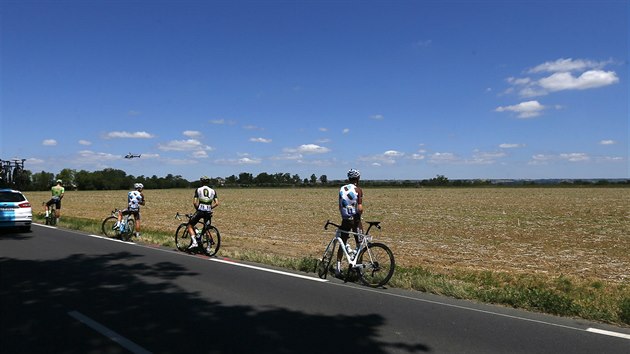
(138, 186)
(354, 174)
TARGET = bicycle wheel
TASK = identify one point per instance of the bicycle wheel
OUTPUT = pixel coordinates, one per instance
(376, 265)
(108, 226)
(211, 241)
(182, 238)
(128, 233)
(324, 264)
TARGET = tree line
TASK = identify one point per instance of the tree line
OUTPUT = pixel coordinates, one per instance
(115, 179)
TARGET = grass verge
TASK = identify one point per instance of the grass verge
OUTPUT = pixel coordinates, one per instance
(589, 299)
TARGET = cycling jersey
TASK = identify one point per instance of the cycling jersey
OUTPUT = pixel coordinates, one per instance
(349, 198)
(57, 191)
(205, 195)
(134, 198)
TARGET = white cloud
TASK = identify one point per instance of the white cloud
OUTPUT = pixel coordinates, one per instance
(389, 157)
(443, 157)
(184, 145)
(308, 149)
(200, 154)
(486, 158)
(607, 142)
(542, 159)
(260, 140)
(192, 133)
(96, 157)
(49, 142)
(345, 131)
(377, 117)
(567, 65)
(240, 161)
(511, 146)
(85, 142)
(527, 109)
(323, 129)
(222, 122)
(565, 74)
(128, 135)
(589, 79)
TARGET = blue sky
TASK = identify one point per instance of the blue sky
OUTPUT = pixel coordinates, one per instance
(396, 89)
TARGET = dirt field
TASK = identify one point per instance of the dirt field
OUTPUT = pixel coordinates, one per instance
(582, 232)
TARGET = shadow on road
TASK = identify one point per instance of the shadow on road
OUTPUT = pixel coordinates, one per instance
(142, 302)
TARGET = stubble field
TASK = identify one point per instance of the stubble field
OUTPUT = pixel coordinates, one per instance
(575, 232)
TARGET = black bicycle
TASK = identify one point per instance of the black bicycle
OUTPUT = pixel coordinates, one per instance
(208, 237)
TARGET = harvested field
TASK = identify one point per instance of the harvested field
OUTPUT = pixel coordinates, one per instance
(578, 232)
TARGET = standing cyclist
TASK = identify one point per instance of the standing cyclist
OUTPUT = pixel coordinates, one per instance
(135, 199)
(351, 208)
(57, 193)
(204, 200)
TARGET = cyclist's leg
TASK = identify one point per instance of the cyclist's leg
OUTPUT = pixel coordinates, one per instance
(346, 225)
(191, 230)
(58, 209)
(136, 216)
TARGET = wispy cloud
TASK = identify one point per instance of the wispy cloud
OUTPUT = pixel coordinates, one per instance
(389, 157)
(49, 142)
(607, 142)
(85, 142)
(184, 145)
(511, 146)
(564, 74)
(128, 135)
(260, 140)
(544, 159)
(377, 117)
(192, 133)
(222, 121)
(308, 149)
(527, 109)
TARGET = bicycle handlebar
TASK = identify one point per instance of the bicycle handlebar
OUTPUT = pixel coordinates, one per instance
(376, 224)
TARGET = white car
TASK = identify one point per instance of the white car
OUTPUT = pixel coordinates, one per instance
(15, 210)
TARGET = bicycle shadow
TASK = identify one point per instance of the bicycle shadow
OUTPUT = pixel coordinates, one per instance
(144, 302)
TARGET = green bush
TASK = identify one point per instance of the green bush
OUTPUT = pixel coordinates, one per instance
(624, 310)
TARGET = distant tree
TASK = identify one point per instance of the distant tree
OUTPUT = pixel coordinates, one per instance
(323, 179)
(245, 178)
(68, 177)
(313, 179)
(42, 181)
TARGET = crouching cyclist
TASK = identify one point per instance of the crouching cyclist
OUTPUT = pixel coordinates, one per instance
(204, 201)
(135, 199)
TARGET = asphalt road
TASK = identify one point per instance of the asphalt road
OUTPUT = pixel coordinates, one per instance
(67, 292)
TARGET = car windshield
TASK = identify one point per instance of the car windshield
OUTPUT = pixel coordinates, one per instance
(11, 197)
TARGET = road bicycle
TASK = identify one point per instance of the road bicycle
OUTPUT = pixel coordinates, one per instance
(51, 214)
(208, 237)
(124, 230)
(372, 262)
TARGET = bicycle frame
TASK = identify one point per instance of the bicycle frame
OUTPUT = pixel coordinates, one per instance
(364, 241)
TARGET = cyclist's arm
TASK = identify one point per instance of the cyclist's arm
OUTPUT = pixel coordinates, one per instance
(215, 203)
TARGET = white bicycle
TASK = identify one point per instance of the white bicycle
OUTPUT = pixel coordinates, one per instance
(372, 262)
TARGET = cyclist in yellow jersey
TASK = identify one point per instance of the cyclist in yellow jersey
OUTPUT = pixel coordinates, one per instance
(204, 200)
(57, 193)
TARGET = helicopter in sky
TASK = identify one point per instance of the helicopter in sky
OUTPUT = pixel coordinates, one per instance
(131, 156)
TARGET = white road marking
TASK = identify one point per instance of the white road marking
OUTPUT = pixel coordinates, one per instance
(608, 333)
(124, 342)
(591, 330)
(267, 270)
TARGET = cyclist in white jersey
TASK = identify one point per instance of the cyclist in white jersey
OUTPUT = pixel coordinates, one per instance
(204, 200)
(350, 208)
(135, 199)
